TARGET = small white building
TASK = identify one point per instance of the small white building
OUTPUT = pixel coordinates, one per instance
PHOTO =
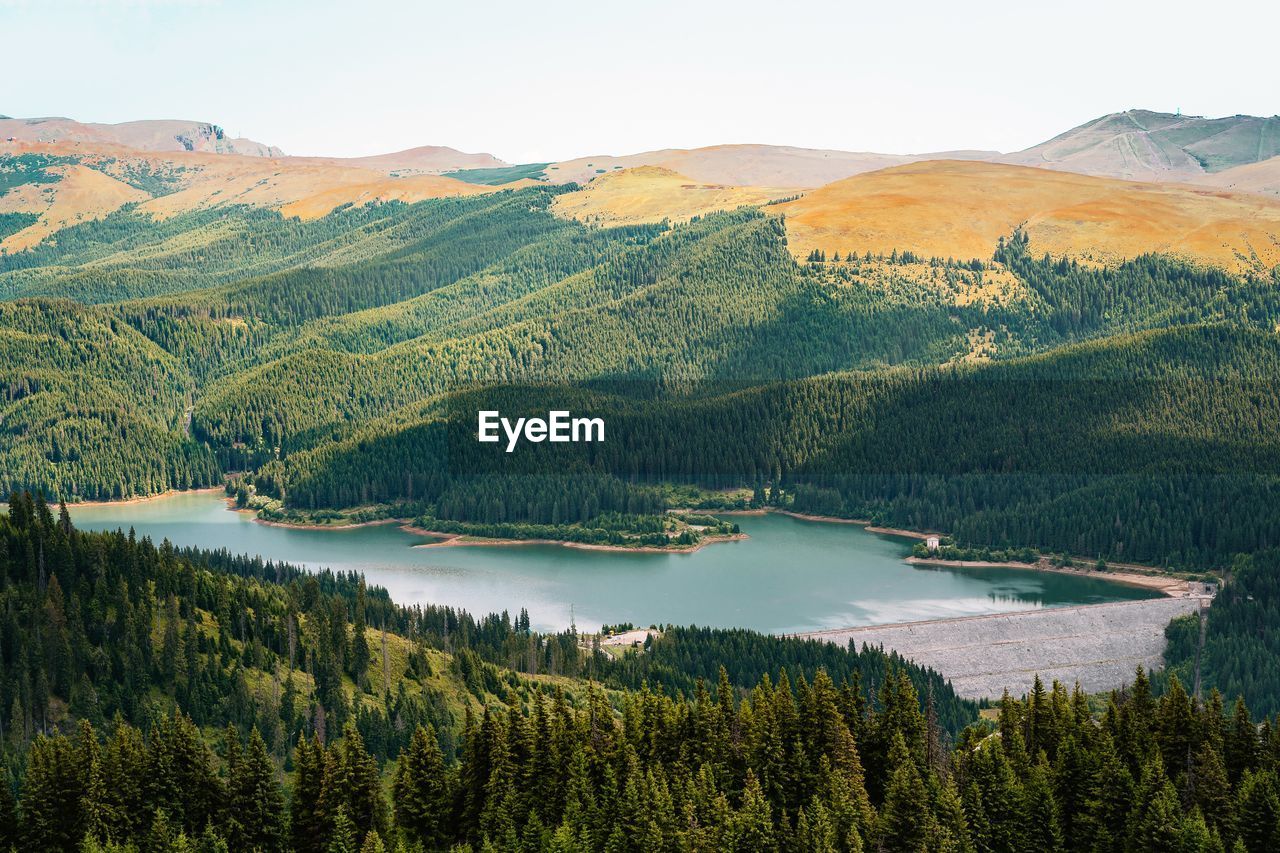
(932, 542)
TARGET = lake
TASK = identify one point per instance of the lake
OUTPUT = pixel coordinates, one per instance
(790, 575)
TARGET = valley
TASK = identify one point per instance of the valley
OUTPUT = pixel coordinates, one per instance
(260, 519)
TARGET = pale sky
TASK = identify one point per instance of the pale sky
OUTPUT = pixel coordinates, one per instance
(539, 81)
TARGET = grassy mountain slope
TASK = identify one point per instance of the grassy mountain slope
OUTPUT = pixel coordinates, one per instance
(957, 209)
(655, 194)
(91, 181)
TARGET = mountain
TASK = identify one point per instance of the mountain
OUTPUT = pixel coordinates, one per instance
(152, 135)
(958, 209)
(423, 160)
(56, 184)
(749, 165)
(1152, 146)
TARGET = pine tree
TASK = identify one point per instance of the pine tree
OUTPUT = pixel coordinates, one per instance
(906, 821)
(307, 826)
(373, 843)
(1044, 832)
(814, 830)
(421, 791)
(8, 812)
(976, 817)
(92, 811)
(342, 837)
(1211, 791)
(165, 837)
(352, 783)
(1108, 799)
(1002, 797)
(256, 800)
(51, 796)
(1156, 820)
(1175, 728)
(360, 655)
(1240, 745)
(953, 829)
(1258, 811)
(753, 821)
(1196, 836)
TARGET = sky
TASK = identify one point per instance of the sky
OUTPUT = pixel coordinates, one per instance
(542, 81)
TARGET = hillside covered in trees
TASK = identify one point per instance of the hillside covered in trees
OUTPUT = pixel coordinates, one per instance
(164, 700)
(338, 362)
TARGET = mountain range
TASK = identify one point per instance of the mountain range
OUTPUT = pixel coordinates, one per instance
(1142, 181)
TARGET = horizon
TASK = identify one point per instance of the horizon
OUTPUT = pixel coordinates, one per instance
(286, 153)
(555, 82)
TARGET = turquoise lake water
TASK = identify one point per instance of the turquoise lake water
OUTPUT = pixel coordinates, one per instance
(789, 575)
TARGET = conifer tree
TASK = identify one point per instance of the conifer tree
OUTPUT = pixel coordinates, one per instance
(51, 796)
(308, 829)
(352, 783)
(1258, 811)
(1155, 823)
(421, 791)
(342, 836)
(1240, 743)
(753, 822)
(1044, 832)
(907, 822)
(373, 843)
(256, 801)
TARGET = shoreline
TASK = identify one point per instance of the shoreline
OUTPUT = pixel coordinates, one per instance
(1167, 584)
(865, 523)
(461, 540)
(825, 519)
(167, 493)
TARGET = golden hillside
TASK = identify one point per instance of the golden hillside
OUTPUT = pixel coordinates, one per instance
(960, 209)
(652, 193)
(95, 180)
(748, 165)
(80, 194)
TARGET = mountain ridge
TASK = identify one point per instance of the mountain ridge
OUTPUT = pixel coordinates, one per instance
(1154, 146)
(143, 135)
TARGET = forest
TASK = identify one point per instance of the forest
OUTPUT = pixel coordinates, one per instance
(1120, 412)
(1240, 652)
(166, 699)
(328, 360)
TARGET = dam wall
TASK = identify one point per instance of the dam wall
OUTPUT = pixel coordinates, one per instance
(1098, 645)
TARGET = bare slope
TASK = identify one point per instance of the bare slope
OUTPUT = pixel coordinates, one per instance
(960, 209)
(1262, 178)
(159, 135)
(1151, 146)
